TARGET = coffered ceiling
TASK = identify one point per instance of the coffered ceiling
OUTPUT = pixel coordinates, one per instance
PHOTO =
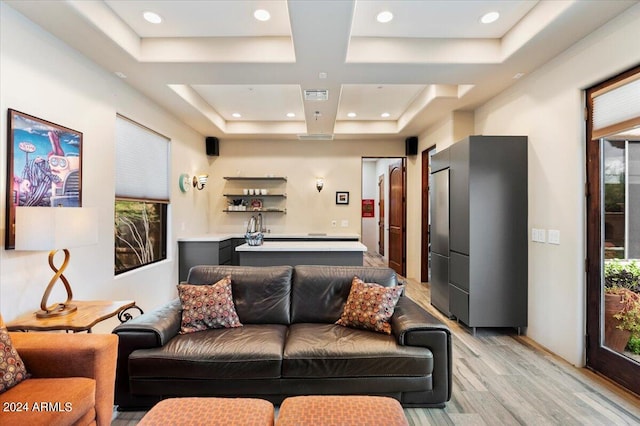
(227, 74)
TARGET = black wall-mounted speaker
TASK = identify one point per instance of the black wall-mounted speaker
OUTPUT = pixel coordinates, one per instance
(411, 145)
(213, 146)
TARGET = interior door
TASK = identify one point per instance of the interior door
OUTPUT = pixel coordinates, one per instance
(381, 198)
(397, 217)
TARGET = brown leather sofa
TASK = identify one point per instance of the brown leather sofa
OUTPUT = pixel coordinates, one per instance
(288, 344)
(72, 380)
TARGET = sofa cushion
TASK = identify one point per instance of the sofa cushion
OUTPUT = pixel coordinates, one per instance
(50, 401)
(318, 293)
(261, 294)
(207, 306)
(329, 350)
(12, 369)
(251, 351)
(370, 306)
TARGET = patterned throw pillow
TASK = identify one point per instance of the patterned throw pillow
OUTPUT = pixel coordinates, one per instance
(12, 369)
(370, 306)
(207, 306)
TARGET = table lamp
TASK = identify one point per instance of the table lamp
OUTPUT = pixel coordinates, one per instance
(55, 228)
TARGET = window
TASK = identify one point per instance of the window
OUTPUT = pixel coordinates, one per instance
(142, 196)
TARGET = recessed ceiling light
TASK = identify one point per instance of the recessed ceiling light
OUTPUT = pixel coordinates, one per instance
(236, 115)
(385, 115)
(152, 17)
(291, 114)
(262, 15)
(490, 17)
(384, 17)
(351, 114)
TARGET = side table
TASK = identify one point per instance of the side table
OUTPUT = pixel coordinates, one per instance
(89, 313)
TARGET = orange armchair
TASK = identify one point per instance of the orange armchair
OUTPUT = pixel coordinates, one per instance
(72, 380)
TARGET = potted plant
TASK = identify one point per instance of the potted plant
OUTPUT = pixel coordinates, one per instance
(622, 304)
(622, 274)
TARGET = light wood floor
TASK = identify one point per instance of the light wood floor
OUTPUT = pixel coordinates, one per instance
(500, 378)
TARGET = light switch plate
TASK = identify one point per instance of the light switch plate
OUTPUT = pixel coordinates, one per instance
(554, 236)
(344, 223)
(538, 235)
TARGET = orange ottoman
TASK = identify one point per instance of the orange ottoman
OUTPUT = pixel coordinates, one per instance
(210, 412)
(340, 411)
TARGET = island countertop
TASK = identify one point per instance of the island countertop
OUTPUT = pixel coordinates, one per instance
(218, 237)
(304, 246)
(219, 249)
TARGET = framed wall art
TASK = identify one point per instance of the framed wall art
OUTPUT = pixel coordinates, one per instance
(342, 197)
(368, 207)
(44, 166)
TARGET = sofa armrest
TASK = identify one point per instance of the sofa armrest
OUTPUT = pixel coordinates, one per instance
(161, 324)
(73, 355)
(413, 326)
(149, 330)
(409, 316)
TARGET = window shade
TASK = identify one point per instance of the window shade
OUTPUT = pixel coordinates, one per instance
(616, 109)
(142, 162)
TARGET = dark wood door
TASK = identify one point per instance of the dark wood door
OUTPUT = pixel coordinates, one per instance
(603, 242)
(381, 197)
(425, 251)
(397, 217)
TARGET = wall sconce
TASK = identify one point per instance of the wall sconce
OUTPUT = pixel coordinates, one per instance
(199, 181)
(319, 184)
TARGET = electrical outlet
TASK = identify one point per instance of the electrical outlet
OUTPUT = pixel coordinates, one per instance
(344, 223)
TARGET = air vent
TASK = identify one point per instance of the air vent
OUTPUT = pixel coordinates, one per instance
(316, 95)
(316, 137)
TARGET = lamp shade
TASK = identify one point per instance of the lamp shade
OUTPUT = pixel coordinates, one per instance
(53, 228)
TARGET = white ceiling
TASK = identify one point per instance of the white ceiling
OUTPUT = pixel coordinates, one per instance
(210, 59)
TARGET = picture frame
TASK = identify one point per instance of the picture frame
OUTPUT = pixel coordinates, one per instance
(342, 197)
(368, 207)
(44, 167)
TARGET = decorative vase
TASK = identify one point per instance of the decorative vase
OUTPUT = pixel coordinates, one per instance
(614, 338)
(254, 236)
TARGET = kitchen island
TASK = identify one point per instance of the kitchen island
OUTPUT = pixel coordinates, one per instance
(219, 248)
(272, 253)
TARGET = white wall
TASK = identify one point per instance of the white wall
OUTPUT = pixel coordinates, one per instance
(339, 162)
(370, 191)
(548, 107)
(41, 76)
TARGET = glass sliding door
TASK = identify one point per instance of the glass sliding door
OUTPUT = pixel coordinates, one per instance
(613, 229)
